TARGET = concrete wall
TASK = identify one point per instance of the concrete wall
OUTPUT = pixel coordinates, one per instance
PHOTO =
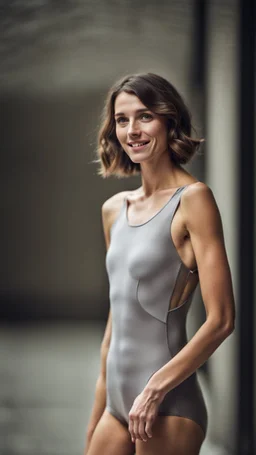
(222, 176)
(58, 63)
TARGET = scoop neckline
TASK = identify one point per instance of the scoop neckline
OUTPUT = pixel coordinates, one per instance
(152, 217)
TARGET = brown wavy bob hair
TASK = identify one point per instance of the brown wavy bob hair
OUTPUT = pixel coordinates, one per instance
(159, 96)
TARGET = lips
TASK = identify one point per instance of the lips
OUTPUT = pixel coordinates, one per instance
(138, 144)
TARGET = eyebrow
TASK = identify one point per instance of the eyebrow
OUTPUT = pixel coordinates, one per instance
(137, 111)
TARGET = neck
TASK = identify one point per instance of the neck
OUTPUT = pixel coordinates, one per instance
(160, 175)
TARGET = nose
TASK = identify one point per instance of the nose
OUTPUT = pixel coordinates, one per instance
(133, 129)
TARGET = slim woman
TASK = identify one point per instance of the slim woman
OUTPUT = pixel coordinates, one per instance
(163, 239)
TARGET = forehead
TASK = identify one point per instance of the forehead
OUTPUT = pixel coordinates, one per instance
(127, 102)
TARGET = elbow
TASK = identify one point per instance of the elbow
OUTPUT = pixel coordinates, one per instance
(228, 327)
(223, 327)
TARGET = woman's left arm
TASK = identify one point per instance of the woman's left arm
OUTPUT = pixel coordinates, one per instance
(203, 223)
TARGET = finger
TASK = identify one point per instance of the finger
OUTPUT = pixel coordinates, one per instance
(131, 431)
(141, 430)
(148, 427)
(136, 428)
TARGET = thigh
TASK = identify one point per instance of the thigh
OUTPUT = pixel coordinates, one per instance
(172, 436)
(110, 437)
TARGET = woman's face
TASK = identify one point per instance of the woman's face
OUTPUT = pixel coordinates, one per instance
(141, 133)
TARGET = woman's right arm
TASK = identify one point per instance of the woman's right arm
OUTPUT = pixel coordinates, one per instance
(110, 210)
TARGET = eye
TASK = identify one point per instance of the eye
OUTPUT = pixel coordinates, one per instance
(121, 120)
(146, 116)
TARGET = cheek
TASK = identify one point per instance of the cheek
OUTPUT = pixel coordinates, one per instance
(161, 134)
(120, 134)
(157, 128)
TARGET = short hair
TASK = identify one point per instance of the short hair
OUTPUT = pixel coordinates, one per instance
(162, 98)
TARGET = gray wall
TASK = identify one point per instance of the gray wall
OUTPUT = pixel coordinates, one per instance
(57, 66)
(222, 176)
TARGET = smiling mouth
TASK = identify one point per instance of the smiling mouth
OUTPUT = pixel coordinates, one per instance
(138, 144)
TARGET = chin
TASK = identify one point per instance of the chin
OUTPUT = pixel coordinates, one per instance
(138, 159)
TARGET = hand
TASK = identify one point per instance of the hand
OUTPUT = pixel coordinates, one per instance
(143, 413)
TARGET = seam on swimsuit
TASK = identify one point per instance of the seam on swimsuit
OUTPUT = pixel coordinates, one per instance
(167, 333)
(142, 307)
(168, 322)
(177, 285)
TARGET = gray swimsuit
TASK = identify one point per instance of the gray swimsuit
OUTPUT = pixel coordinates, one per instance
(144, 269)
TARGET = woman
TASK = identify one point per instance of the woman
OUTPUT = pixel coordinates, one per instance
(162, 239)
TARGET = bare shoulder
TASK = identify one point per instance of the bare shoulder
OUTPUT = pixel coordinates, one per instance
(197, 193)
(113, 205)
(110, 210)
(199, 206)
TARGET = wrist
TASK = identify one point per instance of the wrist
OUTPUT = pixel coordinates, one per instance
(158, 385)
(154, 392)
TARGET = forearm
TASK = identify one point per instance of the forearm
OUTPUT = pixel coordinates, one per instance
(189, 359)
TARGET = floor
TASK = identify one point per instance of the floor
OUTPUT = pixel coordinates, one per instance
(47, 381)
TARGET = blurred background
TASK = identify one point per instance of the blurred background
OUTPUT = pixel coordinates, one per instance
(58, 60)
